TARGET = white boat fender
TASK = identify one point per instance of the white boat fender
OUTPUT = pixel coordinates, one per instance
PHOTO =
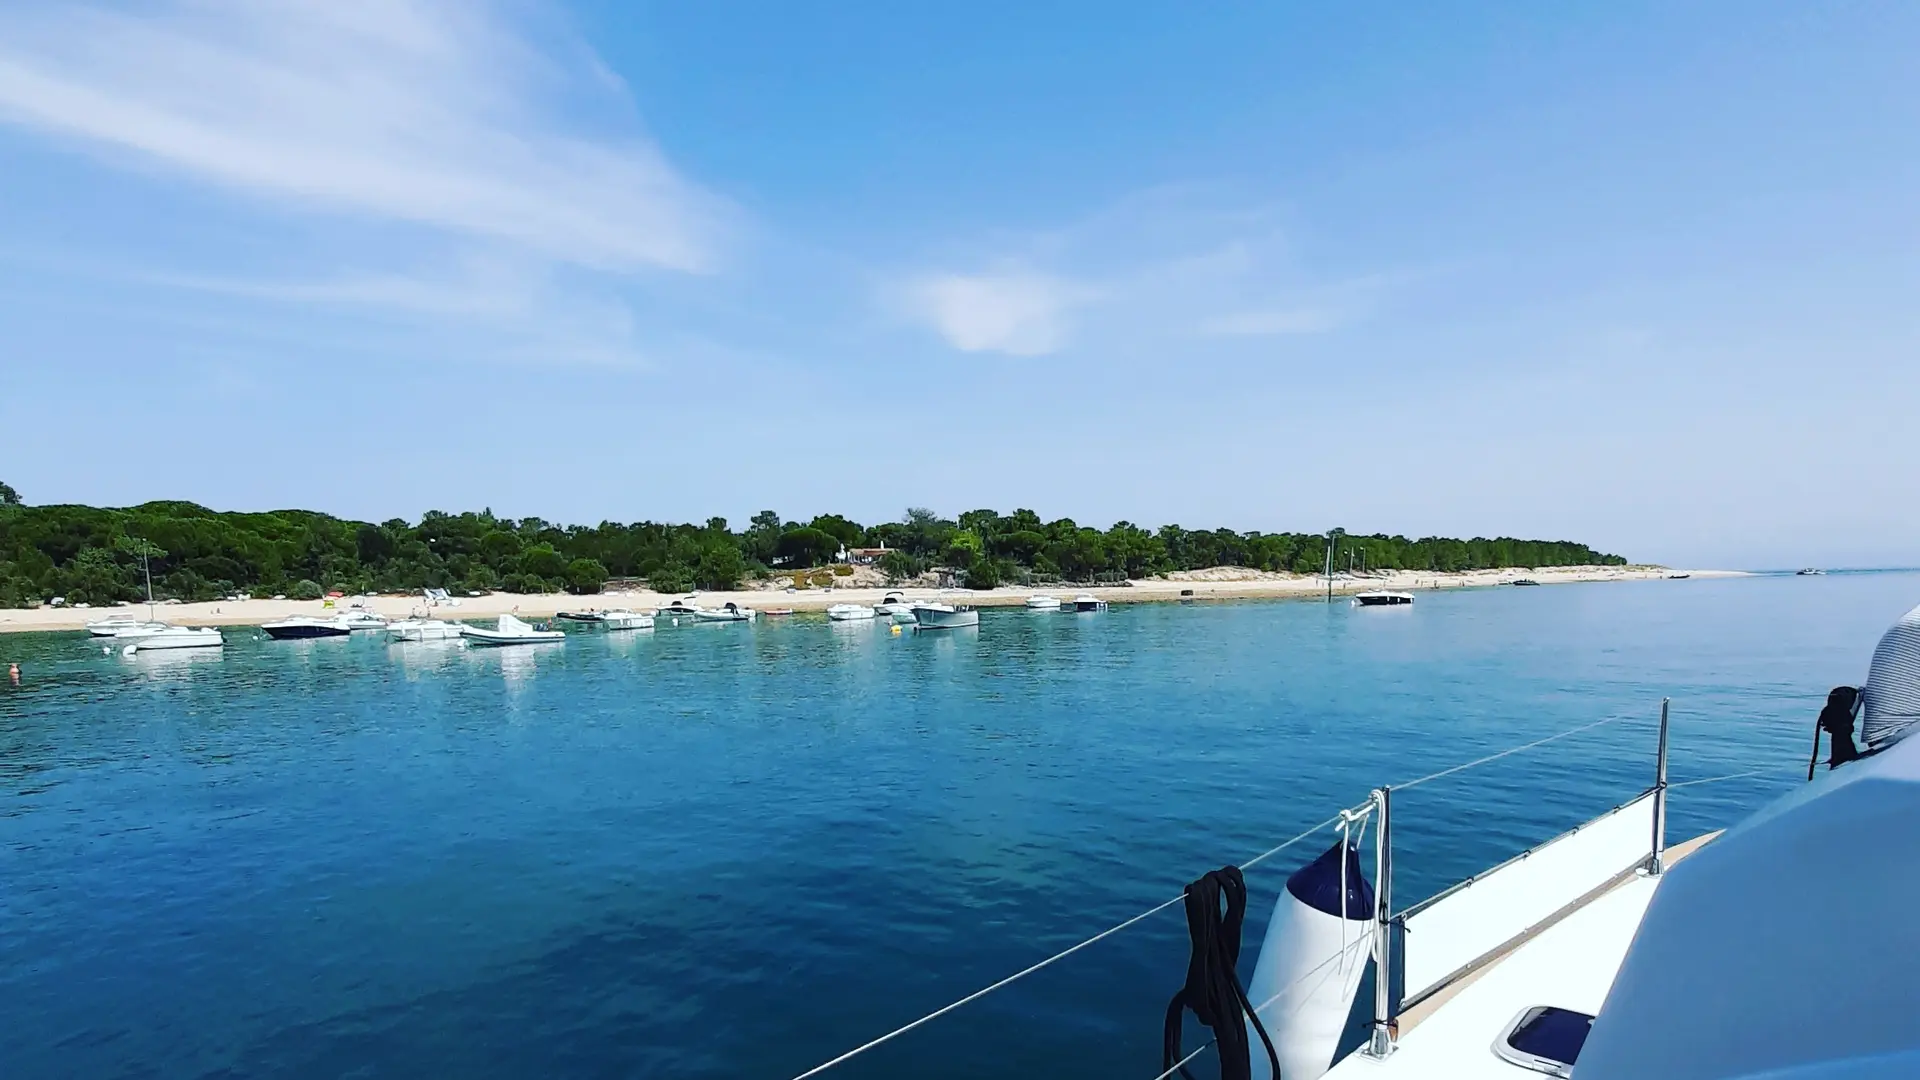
(1213, 989)
(1312, 961)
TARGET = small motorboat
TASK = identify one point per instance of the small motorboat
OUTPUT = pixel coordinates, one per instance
(511, 631)
(580, 616)
(1044, 603)
(299, 627)
(776, 611)
(1382, 598)
(173, 637)
(1810, 572)
(938, 616)
(110, 627)
(894, 603)
(626, 620)
(683, 606)
(359, 619)
(1186, 596)
(1525, 581)
(1088, 602)
(107, 628)
(850, 612)
(424, 630)
(727, 612)
(1682, 576)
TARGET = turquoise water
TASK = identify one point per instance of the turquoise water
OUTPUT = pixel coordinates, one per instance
(734, 851)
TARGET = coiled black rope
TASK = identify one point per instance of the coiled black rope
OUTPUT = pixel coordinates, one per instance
(1213, 989)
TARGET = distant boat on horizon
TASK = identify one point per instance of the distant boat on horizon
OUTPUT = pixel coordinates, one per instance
(1810, 572)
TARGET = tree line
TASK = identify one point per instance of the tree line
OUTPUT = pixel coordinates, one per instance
(98, 555)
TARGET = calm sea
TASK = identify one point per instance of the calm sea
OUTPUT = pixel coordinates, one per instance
(734, 851)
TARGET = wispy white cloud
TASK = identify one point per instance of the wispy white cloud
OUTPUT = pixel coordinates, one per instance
(485, 171)
(1012, 312)
(1160, 266)
(439, 113)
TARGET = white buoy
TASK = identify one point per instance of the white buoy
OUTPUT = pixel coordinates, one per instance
(1311, 963)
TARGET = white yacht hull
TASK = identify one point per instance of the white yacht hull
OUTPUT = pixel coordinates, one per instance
(176, 637)
(480, 636)
(850, 612)
(936, 619)
(427, 630)
(627, 621)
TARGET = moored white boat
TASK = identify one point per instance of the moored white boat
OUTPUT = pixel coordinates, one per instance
(298, 627)
(894, 602)
(358, 619)
(1088, 602)
(424, 630)
(110, 627)
(1382, 598)
(683, 607)
(727, 612)
(940, 616)
(1043, 603)
(850, 612)
(626, 620)
(510, 631)
(172, 637)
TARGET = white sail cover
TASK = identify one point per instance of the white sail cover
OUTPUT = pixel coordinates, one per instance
(1891, 696)
(510, 625)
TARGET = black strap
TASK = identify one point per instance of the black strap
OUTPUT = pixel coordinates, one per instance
(1213, 989)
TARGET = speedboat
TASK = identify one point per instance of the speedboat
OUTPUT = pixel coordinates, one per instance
(581, 616)
(424, 630)
(683, 606)
(359, 619)
(849, 612)
(1088, 602)
(1525, 581)
(894, 603)
(173, 637)
(1810, 572)
(727, 612)
(1044, 603)
(110, 627)
(1382, 598)
(938, 616)
(306, 626)
(510, 631)
(626, 620)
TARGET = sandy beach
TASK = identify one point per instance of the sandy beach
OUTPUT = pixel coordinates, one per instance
(1218, 583)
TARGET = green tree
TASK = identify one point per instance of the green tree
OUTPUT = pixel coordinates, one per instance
(720, 568)
(899, 566)
(8, 496)
(305, 589)
(808, 547)
(983, 574)
(542, 561)
(586, 575)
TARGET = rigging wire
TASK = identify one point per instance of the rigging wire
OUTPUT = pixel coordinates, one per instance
(1158, 908)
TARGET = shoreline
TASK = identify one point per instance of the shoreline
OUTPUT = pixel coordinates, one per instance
(1220, 583)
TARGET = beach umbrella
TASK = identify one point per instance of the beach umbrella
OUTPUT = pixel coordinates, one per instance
(1785, 947)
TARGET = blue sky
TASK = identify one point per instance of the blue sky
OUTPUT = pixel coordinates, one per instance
(1635, 274)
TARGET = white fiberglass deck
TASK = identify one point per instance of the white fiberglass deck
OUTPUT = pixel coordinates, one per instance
(1571, 965)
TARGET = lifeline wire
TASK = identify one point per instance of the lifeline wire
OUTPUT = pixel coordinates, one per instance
(1061, 955)
(1509, 752)
(1158, 908)
(1775, 771)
